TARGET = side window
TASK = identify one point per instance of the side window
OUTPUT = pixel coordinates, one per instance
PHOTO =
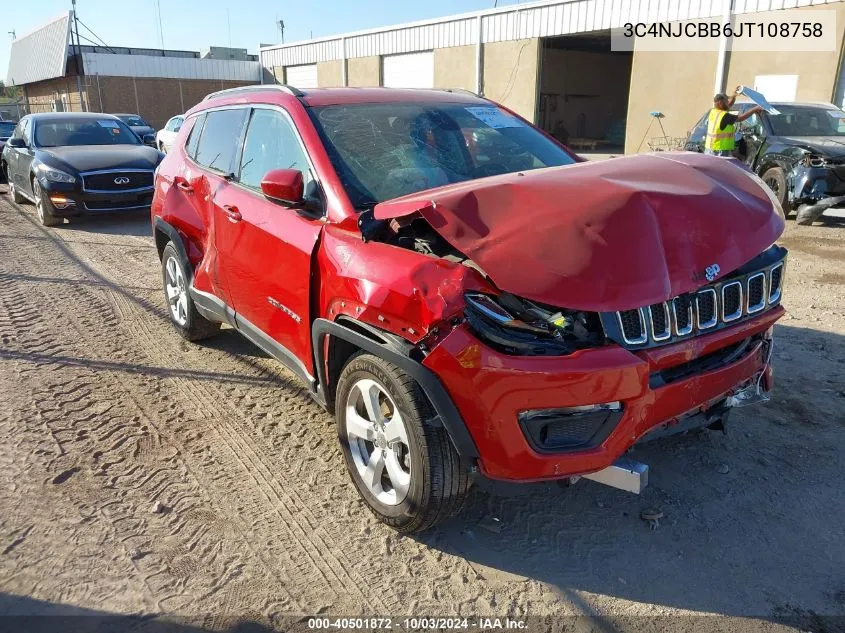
(220, 139)
(271, 143)
(170, 124)
(194, 137)
(26, 131)
(177, 123)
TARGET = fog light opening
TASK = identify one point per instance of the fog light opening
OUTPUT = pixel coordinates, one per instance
(564, 429)
(60, 202)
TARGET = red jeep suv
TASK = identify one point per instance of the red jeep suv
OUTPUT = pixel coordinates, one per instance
(467, 296)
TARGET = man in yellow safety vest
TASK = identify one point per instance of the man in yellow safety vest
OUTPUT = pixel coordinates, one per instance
(721, 125)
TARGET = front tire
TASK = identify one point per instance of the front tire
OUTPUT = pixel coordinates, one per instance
(406, 470)
(190, 324)
(43, 206)
(775, 179)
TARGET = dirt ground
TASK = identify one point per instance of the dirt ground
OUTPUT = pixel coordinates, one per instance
(141, 474)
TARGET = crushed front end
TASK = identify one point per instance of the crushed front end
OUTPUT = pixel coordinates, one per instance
(550, 393)
(816, 183)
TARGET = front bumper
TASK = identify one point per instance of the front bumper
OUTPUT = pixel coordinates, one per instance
(491, 389)
(69, 200)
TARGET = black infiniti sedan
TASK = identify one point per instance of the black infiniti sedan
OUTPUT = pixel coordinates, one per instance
(799, 153)
(71, 164)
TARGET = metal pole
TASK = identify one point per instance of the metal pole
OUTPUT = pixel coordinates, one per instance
(78, 56)
(344, 62)
(724, 43)
(479, 59)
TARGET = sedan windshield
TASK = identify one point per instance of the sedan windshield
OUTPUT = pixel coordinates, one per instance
(134, 120)
(73, 131)
(386, 150)
(795, 120)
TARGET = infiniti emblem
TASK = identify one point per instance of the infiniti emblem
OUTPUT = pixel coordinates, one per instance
(122, 180)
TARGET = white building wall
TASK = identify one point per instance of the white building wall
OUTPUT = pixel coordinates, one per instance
(170, 67)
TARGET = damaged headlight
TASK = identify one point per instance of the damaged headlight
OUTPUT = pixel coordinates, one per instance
(814, 160)
(521, 327)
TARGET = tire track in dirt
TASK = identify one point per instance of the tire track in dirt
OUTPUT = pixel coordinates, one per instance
(116, 439)
(302, 453)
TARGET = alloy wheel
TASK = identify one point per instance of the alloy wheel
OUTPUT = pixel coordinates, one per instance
(177, 291)
(378, 441)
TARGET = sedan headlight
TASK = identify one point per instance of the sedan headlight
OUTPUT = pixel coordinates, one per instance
(521, 327)
(54, 175)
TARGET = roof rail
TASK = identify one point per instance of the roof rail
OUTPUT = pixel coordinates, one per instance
(463, 90)
(256, 88)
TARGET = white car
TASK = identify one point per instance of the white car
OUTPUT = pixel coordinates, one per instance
(165, 137)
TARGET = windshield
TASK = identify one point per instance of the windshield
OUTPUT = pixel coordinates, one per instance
(796, 120)
(6, 128)
(383, 151)
(61, 132)
(133, 120)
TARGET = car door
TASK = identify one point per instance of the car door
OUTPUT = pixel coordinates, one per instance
(211, 173)
(266, 247)
(20, 158)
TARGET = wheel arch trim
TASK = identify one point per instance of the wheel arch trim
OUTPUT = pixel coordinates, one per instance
(447, 413)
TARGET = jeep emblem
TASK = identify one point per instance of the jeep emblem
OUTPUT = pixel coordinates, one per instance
(711, 272)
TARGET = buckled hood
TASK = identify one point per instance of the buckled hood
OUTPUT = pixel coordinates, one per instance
(608, 235)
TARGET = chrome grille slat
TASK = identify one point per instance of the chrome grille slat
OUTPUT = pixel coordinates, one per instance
(775, 283)
(631, 335)
(683, 313)
(756, 287)
(661, 328)
(708, 295)
(731, 295)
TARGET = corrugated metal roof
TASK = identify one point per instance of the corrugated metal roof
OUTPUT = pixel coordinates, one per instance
(537, 19)
(41, 54)
(170, 67)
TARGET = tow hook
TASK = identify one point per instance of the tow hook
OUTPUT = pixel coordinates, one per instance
(624, 474)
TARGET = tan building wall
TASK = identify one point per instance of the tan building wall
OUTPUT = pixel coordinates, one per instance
(364, 71)
(454, 67)
(678, 84)
(155, 99)
(511, 74)
(330, 74)
(816, 71)
(584, 104)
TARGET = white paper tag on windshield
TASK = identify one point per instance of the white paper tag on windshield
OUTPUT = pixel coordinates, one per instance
(111, 124)
(494, 117)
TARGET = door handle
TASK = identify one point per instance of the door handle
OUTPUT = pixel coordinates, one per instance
(232, 213)
(184, 186)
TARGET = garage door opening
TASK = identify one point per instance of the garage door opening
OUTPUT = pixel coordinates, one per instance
(584, 90)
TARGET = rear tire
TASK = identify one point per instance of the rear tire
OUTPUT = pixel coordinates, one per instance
(190, 324)
(408, 471)
(775, 179)
(43, 207)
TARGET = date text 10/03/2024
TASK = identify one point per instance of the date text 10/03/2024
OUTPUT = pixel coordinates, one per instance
(416, 624)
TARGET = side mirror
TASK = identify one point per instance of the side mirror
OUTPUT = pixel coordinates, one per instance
(149, 139)
(284, 185)
(16, 142)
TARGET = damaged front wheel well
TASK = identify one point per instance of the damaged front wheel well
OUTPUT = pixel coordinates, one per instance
(340, 351)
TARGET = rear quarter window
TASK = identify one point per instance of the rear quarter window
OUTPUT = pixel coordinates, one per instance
(194, 136)
(220, 139)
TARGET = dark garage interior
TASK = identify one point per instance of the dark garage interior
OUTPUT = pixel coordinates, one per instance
(584, 88)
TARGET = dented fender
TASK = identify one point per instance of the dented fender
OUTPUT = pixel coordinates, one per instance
(397, 290)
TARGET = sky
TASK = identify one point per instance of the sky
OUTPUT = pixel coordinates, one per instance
(197, 24)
